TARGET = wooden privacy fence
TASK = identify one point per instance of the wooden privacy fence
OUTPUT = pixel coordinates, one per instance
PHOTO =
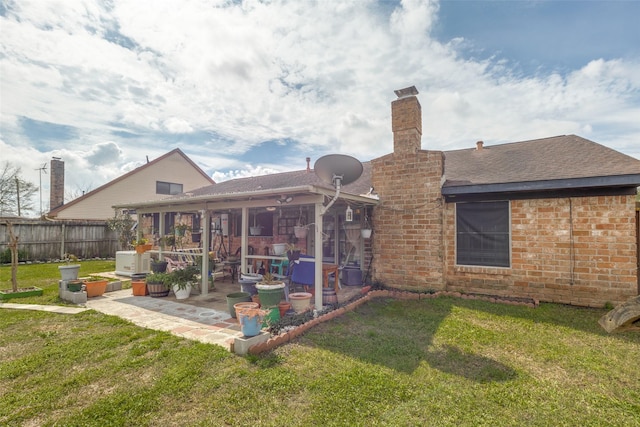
(47, 240)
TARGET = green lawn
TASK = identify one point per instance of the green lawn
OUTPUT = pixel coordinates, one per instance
(46, 276)
(434, 362)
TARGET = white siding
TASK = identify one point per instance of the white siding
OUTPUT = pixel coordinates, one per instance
(140, 186)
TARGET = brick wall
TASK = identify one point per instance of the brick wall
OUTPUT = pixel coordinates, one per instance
(579, 251)
(408, 221)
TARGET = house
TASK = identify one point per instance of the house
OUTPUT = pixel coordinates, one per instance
(172, 173)
(551, 219)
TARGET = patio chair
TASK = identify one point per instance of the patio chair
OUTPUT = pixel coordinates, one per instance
(172, 264)
(280, 266)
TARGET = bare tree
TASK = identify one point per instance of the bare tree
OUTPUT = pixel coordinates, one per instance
(70, 195)
(16, 194)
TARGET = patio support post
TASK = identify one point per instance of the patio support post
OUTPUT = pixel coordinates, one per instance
(244, 241)
(318, 255)
(161, 234)
(206, 225)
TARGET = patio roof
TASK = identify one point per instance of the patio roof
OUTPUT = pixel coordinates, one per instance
(261, 191)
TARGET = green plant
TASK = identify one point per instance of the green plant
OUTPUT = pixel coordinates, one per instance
(168, 240)
(5, 256)
(269, 279)
(122, 223)
(68, 258)
(180, 229)
(160, 278)
(183, 276)
(140, 241)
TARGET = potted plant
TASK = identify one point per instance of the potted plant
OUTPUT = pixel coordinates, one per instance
(141, 245)
(95, 286)
(256, 230)
(158, 266)
(250, 319)
(270, 290)
(74, 285)
(366, 228)
(158, 284)
(181, 281)
(139, 286)
(180, 229)
(300, 230)
(69, 271)
(300, 301)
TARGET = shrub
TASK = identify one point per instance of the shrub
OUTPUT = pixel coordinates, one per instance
(5, 256)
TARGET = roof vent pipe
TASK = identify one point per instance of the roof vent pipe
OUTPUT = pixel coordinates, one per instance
(479, 145)
(308, 161)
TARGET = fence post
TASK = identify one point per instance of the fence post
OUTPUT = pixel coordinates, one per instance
(62, 241)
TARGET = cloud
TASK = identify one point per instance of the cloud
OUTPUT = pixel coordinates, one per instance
(219, 79)
(104, 154)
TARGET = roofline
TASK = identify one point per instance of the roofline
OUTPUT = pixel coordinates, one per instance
(630, 180)
(57, 210)
(247, 195)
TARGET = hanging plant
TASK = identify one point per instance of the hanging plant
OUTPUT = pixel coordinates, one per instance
(300, 230)
(366, 228)
(256, 230)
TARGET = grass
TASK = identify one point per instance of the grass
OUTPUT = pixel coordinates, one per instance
(46, 276)
(440, 362)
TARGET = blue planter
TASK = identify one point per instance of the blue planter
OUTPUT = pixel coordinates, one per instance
(251, 326)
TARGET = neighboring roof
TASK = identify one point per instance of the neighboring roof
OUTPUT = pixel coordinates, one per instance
(566, 161)
(55, 211)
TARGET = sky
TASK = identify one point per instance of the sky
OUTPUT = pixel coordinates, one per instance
(252, 87)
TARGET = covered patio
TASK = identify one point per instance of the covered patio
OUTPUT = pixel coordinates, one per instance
(240, 221)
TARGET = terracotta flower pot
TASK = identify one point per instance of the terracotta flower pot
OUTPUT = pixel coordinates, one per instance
(95, 288)
(139, 288)
(284, 307)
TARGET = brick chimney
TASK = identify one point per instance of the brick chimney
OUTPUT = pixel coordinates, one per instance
(406, 121)
(56, 190)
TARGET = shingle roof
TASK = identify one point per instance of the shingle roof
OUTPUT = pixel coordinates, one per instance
(283, 180)
(556, 158)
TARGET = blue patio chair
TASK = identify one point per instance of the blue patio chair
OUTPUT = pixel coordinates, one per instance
(280, 266)
(303, 273)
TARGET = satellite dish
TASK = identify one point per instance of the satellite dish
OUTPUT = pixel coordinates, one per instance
(334, 167)
(337, 170)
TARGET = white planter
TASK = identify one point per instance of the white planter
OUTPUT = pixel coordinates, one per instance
(278, 285)
(69, 272)
(279, 248)
(300, 231)
(366, 233)
(300, 301)
(255, 231)
(182, 293)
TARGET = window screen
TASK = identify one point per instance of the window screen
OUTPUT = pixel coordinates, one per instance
(482, 234)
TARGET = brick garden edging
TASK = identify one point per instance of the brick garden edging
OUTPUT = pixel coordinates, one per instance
(289, 335)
